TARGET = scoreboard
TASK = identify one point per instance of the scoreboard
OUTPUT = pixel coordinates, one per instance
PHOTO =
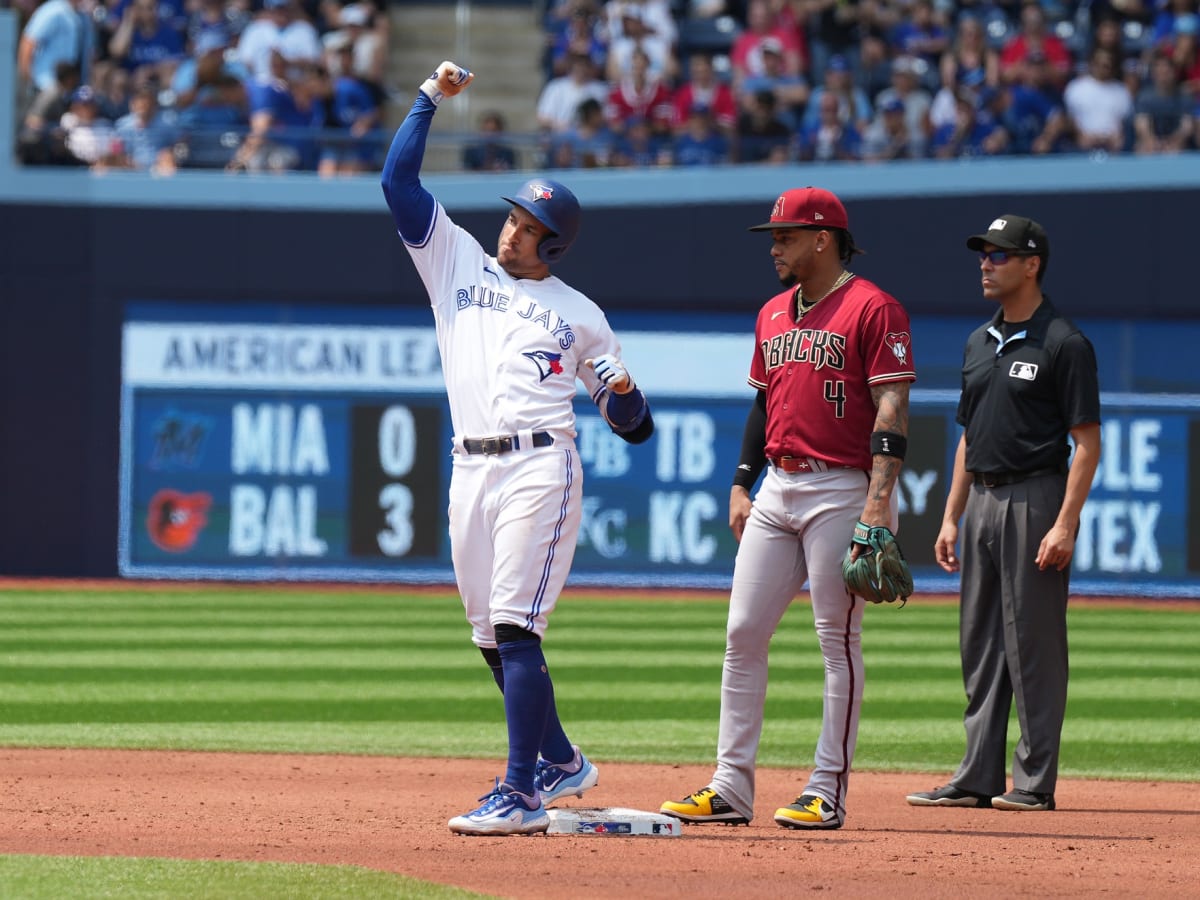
(265, 447)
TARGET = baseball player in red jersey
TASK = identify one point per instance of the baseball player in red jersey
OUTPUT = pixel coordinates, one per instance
(832, 368)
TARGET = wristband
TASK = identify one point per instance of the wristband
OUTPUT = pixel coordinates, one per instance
(888, 443)
(431, 90)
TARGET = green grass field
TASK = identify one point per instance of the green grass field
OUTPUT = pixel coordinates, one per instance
(356, 671)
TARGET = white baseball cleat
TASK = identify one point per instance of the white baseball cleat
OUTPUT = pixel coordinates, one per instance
(504, 811)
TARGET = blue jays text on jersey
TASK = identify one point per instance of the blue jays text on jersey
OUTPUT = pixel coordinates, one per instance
(821, 348)
(487, 298)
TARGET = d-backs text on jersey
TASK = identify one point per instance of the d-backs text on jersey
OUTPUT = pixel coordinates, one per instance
(820, 348)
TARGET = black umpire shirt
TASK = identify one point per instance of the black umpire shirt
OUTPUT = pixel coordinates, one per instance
(1022, 394)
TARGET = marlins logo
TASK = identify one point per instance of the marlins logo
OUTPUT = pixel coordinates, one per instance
(541, 192)
(548, 363)
(898, 344)
(175, 519)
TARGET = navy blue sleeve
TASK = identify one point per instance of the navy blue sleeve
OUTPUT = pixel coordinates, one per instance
(629, 416)
(412, 206)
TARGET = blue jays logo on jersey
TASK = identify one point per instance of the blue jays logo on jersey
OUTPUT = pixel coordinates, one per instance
(541, 192)
(547, 363)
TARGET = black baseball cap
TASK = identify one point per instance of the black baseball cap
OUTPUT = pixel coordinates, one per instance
(1011, 232)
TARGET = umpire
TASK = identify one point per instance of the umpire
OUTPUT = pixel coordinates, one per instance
(1029, 380)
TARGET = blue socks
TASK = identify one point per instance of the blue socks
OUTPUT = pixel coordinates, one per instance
(533, 723)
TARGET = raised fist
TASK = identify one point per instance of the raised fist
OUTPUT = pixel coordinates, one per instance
(611, 372)
(447, 80)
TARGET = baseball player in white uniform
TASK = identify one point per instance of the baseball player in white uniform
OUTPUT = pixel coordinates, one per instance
(513, 341)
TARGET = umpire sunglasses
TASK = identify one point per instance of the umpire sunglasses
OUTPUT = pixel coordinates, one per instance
(1000, 257)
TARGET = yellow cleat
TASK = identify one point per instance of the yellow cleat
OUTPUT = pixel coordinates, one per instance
(706, 805)
(809, 811)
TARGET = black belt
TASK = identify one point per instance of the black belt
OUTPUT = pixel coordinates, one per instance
(999, 479)
(504, 443)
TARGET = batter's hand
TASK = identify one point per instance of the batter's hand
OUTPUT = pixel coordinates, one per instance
(611, 372)
(943, 547)
(1056, 549)
(739, 510)
(447, 80)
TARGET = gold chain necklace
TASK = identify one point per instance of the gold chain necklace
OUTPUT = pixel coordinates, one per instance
(804, 305)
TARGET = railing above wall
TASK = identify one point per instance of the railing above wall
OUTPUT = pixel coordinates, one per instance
(595, 187)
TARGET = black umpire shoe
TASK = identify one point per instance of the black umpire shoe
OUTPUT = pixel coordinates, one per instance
(949, 795)
(1024, 800)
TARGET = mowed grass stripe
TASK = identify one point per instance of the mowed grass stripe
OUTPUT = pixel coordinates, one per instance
(636, 679)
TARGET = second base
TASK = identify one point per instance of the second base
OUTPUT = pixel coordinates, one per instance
(611, 821)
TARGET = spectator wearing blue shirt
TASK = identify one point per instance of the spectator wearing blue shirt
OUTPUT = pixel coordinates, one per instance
(830, 138)
(1162, 121)
(588, 144)
(490, 152)
(919, 35)
(853, 105)
(700, 143)
(641, 146)
(790, 92)
(145, 45)
(56, 32)
(976, 130)
(216, 17)
(578, 33)
(147, 139)
(286, 122)
(1035, 119)
(355, 117)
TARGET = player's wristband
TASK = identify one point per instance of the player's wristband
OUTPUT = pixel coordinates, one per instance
(431, 90)
(888, 443)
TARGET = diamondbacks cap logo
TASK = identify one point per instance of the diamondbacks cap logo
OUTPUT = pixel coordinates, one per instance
(899, 345)
(541, 192)
(998, 225)
(777, 209)
(547, 363)
(175, 519)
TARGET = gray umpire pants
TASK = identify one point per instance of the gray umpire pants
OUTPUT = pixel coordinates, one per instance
(1012, 636)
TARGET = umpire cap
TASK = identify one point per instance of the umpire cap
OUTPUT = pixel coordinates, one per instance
(552, 204)
(1009, 232)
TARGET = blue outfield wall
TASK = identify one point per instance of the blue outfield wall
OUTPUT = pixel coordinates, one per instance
(86, 446)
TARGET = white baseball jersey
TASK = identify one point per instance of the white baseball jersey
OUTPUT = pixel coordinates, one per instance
(511, 348)
(511, 352)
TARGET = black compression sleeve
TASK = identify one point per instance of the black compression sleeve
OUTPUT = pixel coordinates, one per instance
(753, 460)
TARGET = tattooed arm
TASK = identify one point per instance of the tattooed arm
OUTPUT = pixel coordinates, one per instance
(891, 414)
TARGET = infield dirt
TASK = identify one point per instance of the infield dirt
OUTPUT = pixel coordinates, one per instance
(1106, 838)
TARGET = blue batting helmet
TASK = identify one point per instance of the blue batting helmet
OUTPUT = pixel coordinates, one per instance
(552, 204)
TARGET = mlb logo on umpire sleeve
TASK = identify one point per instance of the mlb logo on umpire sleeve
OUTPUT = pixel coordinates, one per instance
(1023, 370)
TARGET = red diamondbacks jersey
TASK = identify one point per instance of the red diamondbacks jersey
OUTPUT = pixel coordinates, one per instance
(818, 372)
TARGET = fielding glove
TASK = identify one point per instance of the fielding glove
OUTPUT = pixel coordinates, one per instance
(879, 574)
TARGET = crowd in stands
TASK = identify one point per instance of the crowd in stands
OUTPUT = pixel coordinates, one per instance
(700, 82)
(156, 85)
(282, 85)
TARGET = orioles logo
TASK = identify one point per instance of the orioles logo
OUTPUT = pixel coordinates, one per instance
(541, 192)
(898, 344)
(175, 519)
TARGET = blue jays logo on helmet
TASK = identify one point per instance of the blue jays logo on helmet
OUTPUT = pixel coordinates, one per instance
(548, 363)
(552, 204)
